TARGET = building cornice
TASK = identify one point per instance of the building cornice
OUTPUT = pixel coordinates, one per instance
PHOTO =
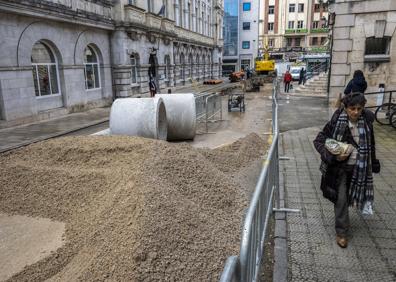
(58, 12)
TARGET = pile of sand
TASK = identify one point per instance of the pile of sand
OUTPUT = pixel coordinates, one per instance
(135, 209)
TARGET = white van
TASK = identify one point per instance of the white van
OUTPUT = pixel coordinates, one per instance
(295, 72)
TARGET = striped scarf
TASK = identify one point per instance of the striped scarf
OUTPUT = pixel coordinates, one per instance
(361, 189)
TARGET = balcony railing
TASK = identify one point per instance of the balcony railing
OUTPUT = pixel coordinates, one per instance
(293, 31)
(319, 30)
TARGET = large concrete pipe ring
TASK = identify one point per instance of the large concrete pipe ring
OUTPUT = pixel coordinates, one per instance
(144, 117)
(181, 115)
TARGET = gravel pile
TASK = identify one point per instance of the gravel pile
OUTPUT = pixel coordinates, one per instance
(135, 209)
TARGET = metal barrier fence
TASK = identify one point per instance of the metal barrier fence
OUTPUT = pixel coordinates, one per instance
(208, 106)
(381, 97)
(255, 229)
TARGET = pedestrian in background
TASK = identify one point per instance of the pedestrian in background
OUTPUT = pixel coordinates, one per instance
(301, 79)
(347, 175)
(357, 84)
(152, 87)
(287, 78)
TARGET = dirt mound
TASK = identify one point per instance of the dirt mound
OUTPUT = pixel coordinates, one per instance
(135, 209)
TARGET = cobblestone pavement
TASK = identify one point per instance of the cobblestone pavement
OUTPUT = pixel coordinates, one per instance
(313, 254)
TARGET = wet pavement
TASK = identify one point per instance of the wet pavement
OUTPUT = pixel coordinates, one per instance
(306, 249)
(25, 134)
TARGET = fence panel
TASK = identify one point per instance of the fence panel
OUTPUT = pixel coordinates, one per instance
(255, 229)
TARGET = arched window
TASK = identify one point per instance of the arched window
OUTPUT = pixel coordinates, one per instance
(91, 70)
(45, 70)
(134, 58)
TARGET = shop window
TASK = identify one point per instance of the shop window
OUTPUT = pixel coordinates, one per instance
(45, 70)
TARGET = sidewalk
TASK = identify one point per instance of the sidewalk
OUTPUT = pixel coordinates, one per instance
(24, 134)
(312, 253)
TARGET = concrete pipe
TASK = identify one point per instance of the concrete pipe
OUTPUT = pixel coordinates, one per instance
(145, 117)
(181, 115)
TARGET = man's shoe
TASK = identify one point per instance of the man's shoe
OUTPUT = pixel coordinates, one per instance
(342, 241)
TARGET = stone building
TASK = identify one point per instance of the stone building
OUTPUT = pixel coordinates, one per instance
(60, 56)
(363, 38)
(289, 27)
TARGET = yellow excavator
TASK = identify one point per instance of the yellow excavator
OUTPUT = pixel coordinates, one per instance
(265, 65)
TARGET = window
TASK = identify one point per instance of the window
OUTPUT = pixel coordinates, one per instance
(134, 69)
(150, 5)
(291, 25)
(270, 26)
(91, 70)
(289, 42)
(317, 8)
(246, 26)
(167, 70)
(315, 24)
(271, 42)
(271, 10)
(297, 42)
(301, 8)
(377, 46)
(245, 64)
(292, 8)
(45, 70)
(245, 44)
(300, 24)
(246, 6)
(314, 41)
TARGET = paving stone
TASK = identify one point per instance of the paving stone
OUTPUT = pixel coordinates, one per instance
(371, 253)
(383, 276)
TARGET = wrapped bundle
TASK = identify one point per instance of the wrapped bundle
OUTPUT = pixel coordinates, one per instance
(338, 148)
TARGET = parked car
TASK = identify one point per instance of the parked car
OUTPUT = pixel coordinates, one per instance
(295, 72)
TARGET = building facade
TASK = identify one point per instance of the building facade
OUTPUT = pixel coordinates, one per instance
(62, 56)
(363, 39)
(240, 32)
(290, 27)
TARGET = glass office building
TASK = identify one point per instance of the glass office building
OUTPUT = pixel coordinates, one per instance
(230, 33)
